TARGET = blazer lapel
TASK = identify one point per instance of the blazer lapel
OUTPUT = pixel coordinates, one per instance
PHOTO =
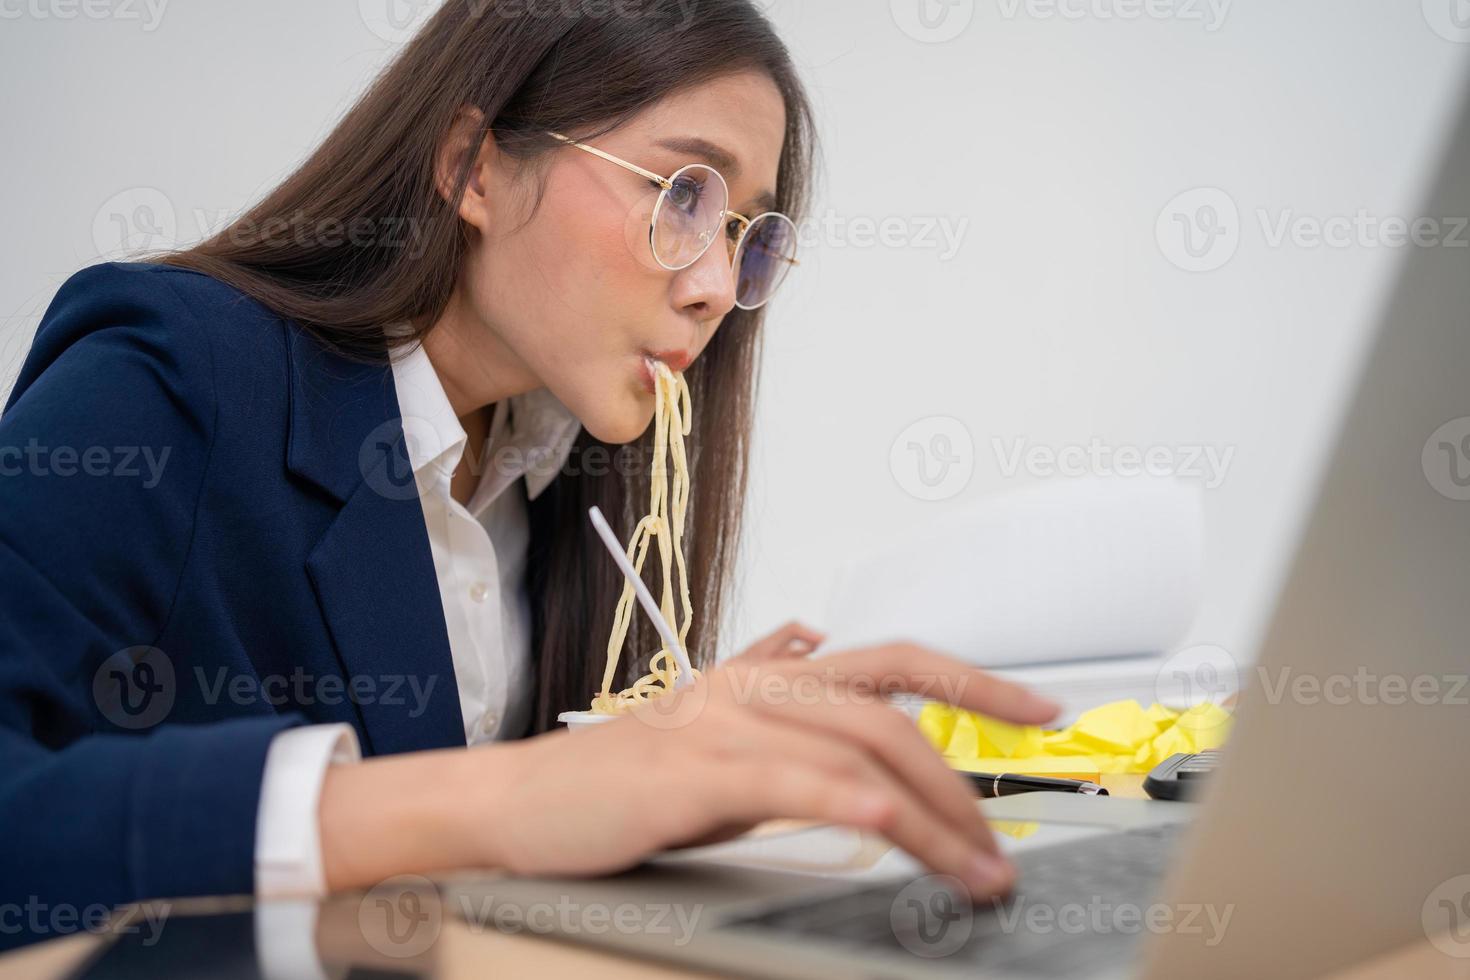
(372, 568)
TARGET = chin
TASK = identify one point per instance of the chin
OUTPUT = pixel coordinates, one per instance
(621, 420)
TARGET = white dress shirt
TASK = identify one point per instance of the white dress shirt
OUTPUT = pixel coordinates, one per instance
(479, 555)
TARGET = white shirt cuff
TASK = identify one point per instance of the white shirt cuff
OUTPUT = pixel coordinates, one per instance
(285, 940)
(288, 846)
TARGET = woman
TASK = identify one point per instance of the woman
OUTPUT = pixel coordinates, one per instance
(330, 555)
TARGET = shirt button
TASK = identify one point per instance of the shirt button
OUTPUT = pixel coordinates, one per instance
(479, 591)
(487, 724)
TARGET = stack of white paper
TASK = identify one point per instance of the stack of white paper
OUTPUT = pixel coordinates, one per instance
(1077, 588)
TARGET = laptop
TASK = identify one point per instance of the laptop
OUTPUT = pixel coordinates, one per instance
(1333, 830)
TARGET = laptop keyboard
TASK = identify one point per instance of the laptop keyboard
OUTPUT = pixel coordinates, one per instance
(1077, 908)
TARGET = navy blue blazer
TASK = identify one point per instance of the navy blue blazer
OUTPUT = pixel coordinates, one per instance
(209, 532)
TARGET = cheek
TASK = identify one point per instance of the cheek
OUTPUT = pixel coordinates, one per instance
(586, 258)
(576, 303)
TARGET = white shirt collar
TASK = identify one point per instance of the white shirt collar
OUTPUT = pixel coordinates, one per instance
(532, 440)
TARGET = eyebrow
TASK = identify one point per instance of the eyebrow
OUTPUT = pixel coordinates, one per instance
(724, 161)
(761, 203)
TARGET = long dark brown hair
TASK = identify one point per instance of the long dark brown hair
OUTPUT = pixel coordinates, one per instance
(528, 67)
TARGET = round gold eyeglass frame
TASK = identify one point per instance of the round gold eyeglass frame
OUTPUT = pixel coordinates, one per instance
(707, 238)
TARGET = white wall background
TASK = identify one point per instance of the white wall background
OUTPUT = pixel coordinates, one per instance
(1050, 136)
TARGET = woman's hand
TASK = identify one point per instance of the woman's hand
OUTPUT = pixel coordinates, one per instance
(768, 734)
(792, 640)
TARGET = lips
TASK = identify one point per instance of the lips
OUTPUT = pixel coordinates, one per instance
(677, 360)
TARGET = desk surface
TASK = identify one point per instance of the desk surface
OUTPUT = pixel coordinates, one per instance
(464, 953)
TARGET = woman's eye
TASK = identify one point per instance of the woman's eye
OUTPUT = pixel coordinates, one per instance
(684, 193)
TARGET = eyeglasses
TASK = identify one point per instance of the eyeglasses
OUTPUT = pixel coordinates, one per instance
(693, 210)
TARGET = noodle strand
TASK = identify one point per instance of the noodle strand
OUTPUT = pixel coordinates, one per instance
(673, 416)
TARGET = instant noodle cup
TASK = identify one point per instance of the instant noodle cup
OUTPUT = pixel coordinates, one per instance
(578, 720)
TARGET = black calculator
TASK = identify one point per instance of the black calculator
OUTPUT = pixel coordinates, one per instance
(1180, 776)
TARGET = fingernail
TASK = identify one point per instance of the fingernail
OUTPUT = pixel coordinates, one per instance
(989, 873)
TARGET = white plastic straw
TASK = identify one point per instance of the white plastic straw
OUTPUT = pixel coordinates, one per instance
(645, 598)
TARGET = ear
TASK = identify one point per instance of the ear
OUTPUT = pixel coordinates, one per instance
(474, 204)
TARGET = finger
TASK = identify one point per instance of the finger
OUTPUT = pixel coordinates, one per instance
(905, 667)
(770, 786)
(792, 640)
(806, 636)
(841, 750)
(889, 737)
(804, 642)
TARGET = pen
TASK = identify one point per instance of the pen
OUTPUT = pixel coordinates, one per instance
(992, 784)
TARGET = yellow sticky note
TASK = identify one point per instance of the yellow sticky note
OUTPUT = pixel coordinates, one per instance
(1004, 739)
(1161, 715)
(936, 722)
(965, 739)
(1116, 727)
(1207, 724)
(1118, 737)
(1019, 829)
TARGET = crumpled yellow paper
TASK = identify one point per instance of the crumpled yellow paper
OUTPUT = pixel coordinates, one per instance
(1118, 737)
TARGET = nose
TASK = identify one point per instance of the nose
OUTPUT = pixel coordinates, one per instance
(706, 289)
